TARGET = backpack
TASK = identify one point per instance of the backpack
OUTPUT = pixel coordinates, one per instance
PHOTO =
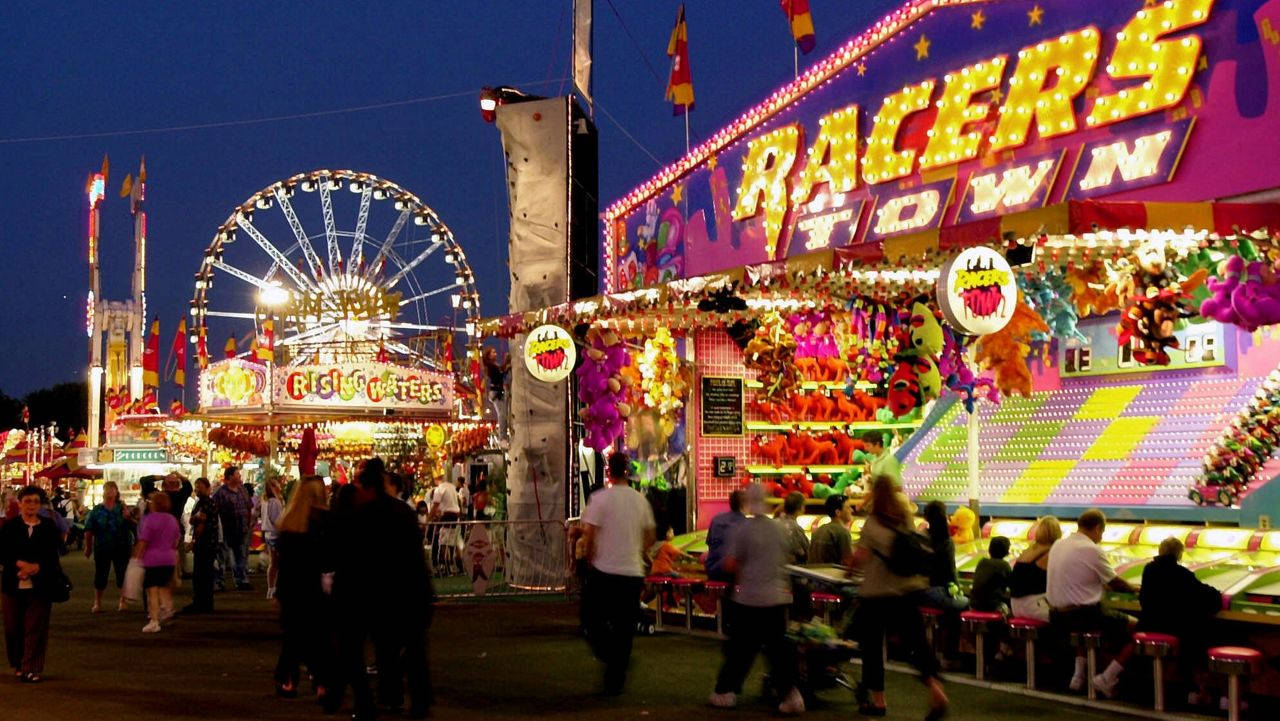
(909, 553)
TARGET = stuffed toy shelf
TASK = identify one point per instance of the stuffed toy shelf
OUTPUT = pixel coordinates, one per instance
(831, 425)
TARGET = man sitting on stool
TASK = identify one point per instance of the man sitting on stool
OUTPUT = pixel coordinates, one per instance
(1078, 572)
(1175, 602)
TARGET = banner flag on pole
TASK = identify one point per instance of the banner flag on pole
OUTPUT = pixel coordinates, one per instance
(680, 84)
(801, 23)
(151, 357)
(179, 354)
(582, 47)
(230, 347)
(267, 342)
(202, 347)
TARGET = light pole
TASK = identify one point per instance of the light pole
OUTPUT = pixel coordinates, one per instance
(272, 297)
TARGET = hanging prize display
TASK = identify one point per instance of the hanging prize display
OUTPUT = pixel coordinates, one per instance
(549, 353)
(977, 291)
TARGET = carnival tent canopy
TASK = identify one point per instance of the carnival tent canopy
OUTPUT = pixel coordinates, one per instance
(1063, 233)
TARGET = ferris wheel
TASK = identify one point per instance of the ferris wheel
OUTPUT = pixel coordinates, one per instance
(392, 280)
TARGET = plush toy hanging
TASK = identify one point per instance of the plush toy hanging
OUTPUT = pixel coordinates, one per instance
(771, 353)
(915, 380)
(1005, 351)
(602, 388)
(1159, 304)
(959, 377)
(1092, 289)
(1049, 294)
(662, 383)
(1244, 294)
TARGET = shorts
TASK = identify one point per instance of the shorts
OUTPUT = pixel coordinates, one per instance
(157, 576)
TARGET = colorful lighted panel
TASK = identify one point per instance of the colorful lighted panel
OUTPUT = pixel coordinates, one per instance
(951, 111)
(1091, 442)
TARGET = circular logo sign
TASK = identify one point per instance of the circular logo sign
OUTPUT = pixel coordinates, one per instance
(434, 435)
(977, 292)
(549, 353)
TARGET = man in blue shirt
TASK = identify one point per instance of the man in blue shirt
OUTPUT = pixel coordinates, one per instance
(718, 536)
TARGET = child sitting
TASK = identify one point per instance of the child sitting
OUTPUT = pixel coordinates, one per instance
(991, 579)
(665, 558)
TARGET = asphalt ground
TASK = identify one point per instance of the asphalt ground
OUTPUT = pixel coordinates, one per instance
(490, 660)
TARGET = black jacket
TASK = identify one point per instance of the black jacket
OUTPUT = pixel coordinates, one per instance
(381, 566)
(1173, 600)
(304, 558)
(40, 547)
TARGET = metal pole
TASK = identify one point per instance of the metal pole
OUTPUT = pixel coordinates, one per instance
(972, 450)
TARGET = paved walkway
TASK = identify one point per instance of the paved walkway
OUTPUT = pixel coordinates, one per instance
(489, 660)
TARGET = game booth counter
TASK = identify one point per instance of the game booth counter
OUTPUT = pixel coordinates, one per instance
(1030, 248)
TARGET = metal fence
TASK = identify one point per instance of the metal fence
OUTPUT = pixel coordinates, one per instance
(498, 558)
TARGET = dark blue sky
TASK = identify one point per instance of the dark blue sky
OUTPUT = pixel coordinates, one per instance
(69, 69)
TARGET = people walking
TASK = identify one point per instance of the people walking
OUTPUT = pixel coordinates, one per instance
(270, 510)
(895, 575)
(758, 604)
(445, 511)
(157, 549)
(304, 557)
(205, 545)
(718, 535)
(235, 513)
(619, 525)
(29, 554)
(108, 541)
(384, 596)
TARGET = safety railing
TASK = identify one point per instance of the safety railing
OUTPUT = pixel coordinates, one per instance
(498, 558)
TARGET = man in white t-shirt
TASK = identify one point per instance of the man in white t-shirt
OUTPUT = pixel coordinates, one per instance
(445, 511)
(1078, 575)
(619, 525)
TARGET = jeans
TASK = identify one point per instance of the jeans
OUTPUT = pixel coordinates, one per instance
(239, 550)
(612, 611)
(893, 613)
(401, 653)
(305, 640)
(755, 628)
(202, 578)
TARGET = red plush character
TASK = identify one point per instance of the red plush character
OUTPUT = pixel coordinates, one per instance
(904, 390)
(775, 451)
(823, 407)
(805, 486)
(846, 410)
(846, 446)
(801, 405)
(773, 489)
(796, 447)
(775, 412)
(809, 368)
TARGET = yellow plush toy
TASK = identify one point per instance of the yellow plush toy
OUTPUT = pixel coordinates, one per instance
(960, 524)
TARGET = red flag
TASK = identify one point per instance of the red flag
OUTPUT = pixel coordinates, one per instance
(26, 416)
(680, 84)
(151, 357)
(179, 354)
(202, 347)
(149, 401)
(267, 342)
(801, 23)
(382, 352)
(230, 348)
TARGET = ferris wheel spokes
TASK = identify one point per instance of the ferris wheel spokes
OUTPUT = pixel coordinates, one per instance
(386, 244)
(313, 260)
(330, 231)
(302, 280)
(242, 275)
(362, 221)
(436, 243)
(428, 294)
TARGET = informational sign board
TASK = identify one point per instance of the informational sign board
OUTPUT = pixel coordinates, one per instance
(721, 404)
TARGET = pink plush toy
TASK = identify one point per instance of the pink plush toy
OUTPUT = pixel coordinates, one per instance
(1218, 306)
(602, 389)
(1257, 300)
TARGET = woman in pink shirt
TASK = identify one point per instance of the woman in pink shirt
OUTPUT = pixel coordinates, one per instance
(157, 548)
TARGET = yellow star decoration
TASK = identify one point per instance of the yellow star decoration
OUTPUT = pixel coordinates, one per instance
(677, 193)
(996, 95)
(1035, 16)
(977, 20)
(862, 69)
(922, 48)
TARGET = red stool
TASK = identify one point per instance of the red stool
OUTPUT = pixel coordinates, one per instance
(687, 586)
(1234, 661)
(659, 584)
(1157, 646)
(1090, 641)
(717, 589)
(825, 602)
(978, 623)
(1027, 630)
(932, 619)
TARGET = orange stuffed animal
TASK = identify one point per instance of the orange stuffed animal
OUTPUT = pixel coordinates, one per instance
(775, 412)
(1005, 351)
(774, 451)
(823, 408)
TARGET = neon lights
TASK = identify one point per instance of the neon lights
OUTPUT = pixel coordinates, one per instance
(883, 161)
(1167, 64)
(832, 160)
(764, 180)
(1034, 91)
(1143, 162)
(947, 141)
(90, 310)
(893, 217)
(1016, 186)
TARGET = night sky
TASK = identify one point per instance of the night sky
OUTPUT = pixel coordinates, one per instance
(70, 70)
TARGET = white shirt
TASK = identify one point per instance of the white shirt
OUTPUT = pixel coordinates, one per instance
(459, 471)
(446, 497)
(620, 516)
(1078, 571)
(464, 496)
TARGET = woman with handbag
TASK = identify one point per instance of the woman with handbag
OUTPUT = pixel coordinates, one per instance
(894, 560)
(108, 540)
(31, 583)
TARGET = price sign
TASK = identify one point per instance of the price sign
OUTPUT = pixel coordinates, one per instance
(726, 466)
(721, 405)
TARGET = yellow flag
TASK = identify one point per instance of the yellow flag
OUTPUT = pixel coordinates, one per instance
(126, 188)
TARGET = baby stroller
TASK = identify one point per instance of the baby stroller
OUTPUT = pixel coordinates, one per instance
(821, 659)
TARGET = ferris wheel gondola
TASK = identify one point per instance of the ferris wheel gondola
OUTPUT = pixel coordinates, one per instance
(407, 291)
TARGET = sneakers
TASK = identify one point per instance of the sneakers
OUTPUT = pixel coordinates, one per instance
(793, 704)
(1105, 685)
(96, 608)
(723, 700)
(152, 627)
